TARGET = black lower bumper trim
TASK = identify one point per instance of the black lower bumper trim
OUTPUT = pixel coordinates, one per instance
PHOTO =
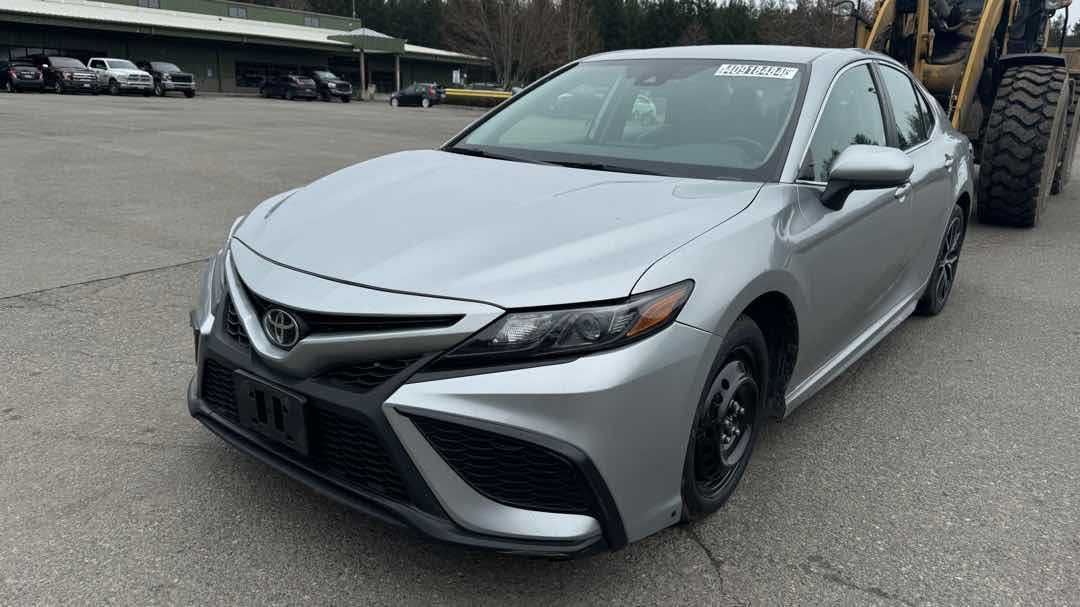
(386, 510)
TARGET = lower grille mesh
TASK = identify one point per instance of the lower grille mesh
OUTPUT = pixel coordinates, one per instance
(234, 328)
(344, 448)
(508, 470)
(363, 377)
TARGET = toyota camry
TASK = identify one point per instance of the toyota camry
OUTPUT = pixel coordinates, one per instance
(566, 328)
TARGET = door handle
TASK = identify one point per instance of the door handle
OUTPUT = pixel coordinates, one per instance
(902, 191)
(948, 160)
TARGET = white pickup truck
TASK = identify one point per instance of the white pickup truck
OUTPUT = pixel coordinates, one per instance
(121, 75)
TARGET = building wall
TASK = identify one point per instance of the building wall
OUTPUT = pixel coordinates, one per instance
(253, 11)
(214, 63)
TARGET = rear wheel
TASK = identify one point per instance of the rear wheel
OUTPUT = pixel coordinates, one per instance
(9, 86)
(1068, 140)
(728, 421)
(58, 88)
(943, 277)
(394, 101)
(114, 87)
(289, 94)
(425, 102)
(159, 89)
(1019, 152)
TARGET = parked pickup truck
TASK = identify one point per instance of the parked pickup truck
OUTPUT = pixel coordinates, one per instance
(168, 77)
(121, 76)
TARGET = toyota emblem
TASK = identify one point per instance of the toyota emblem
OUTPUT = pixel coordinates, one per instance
(281, 328)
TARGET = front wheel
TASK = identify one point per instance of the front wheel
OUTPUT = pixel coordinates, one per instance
(345, 99)
(425, 103)
(189, 94)
(729, 419)
(159, 89)
(58, 88)
(289, 95)
(943, 277)
(114, 88)
(9, 86)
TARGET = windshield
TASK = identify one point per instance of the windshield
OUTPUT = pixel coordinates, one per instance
(65, 62)
(164, 67)
(683, 117)
(324, 75)
(121, 64)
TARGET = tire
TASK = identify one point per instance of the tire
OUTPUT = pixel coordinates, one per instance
(943, 276)
(1019, 152)
(325, 96)
(289, 95)
(147, 93)
(114, 87)
(159, 89)
(189, 94)
(58, 88)
(265, 94)
(345, 99)
(738, 381)
(425, 103)
(1069, 137)
(9, 86)
(394, 102)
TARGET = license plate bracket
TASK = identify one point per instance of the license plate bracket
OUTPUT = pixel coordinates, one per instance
(273, 412)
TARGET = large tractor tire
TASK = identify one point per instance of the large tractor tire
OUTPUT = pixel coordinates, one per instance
(1021, 144)
(1069, 137)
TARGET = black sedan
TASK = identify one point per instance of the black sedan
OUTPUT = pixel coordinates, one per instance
(331, 86)
(16, 76)
(423, 95)
(290, 87)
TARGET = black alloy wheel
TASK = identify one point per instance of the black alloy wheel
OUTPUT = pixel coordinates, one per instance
(728, 421)
(58, 88)
(159, 89)
(943, 278)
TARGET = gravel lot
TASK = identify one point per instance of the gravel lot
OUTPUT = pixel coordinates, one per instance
(942, 469)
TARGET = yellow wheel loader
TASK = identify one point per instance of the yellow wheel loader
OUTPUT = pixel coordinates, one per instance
(987, 63)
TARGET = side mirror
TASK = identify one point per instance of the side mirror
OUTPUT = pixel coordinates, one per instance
(865, 167)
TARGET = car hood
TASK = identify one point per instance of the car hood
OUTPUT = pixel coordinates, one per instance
(508, 233)
(127, 72)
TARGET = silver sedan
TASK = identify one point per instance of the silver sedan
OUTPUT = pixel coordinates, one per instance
(566, 329)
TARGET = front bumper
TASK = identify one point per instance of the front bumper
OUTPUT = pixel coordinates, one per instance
(617, 421)
(80, 86)
(136, 86)
(305, 93)
(28, 85)
(169, 85)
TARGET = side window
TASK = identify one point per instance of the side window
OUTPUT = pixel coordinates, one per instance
(98, 64)
(911, 126)
(852, 115)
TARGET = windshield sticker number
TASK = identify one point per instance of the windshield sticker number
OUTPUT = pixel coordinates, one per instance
(756, 71)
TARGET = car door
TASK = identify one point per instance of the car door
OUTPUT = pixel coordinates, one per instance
(932, 179)
(853, 257)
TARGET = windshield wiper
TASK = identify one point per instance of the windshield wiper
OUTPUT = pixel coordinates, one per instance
(482, 154)
(600, 166)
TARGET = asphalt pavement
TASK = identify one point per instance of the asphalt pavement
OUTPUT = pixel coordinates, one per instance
(941, 469)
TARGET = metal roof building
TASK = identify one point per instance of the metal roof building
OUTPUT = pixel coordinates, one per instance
(229, 46)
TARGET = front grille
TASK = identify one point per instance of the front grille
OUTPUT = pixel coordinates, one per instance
(232, 325)
(218, 391)
(315, 322)
(363, 377)
(509, 470)
(82, 76)
(343, 448)
(347, 449)
(185, 79)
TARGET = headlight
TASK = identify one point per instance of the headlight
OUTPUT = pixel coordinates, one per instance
(524, 336)
(166, 77)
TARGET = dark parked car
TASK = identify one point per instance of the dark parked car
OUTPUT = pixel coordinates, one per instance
(290, 86)
(168, 77)
(67, 75)
(18, 76)
(330, 86)
(424, 95)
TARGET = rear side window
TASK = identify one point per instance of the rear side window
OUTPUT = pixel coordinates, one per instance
(911, 123)
(852, 115)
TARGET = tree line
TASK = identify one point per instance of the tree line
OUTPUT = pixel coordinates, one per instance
(526, 38)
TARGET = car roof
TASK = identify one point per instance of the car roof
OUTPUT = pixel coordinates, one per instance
(739, 52)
